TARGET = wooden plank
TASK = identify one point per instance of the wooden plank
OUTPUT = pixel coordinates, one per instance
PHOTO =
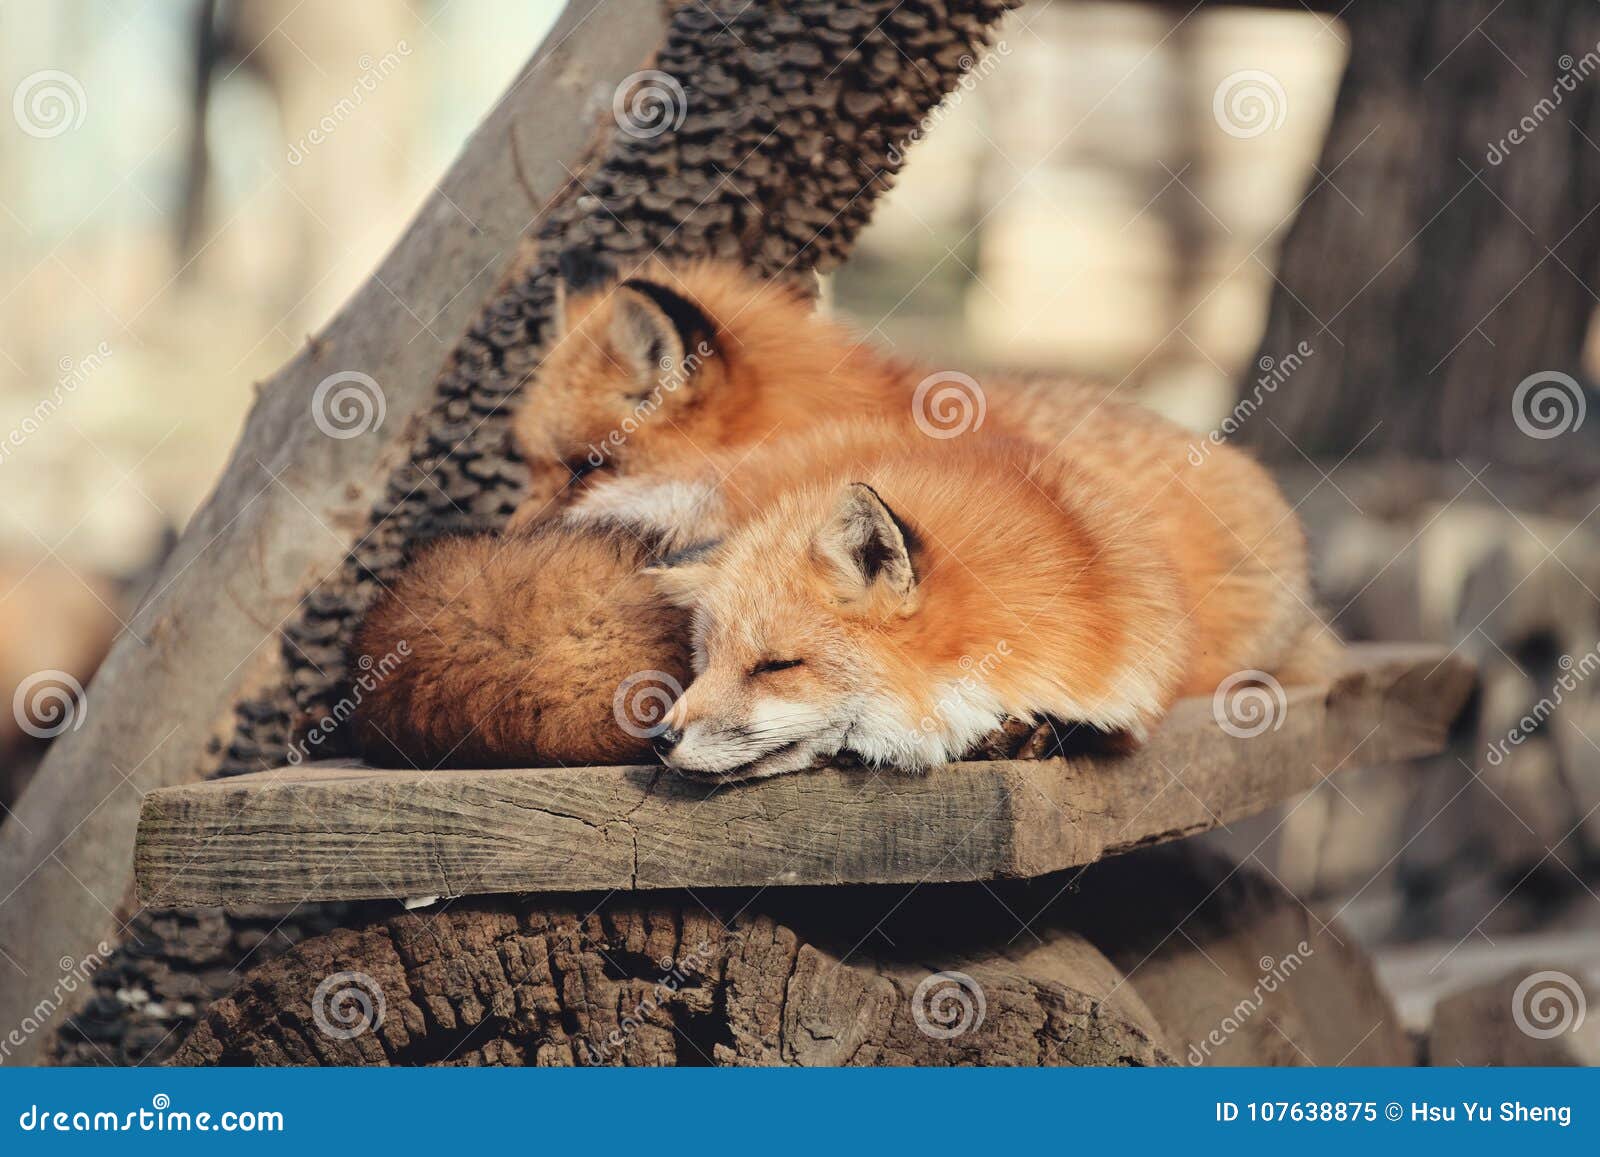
(344, 832)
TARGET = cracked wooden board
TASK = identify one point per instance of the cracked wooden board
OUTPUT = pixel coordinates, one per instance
(347, 833)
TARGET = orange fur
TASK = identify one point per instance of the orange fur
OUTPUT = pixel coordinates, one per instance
(510, 652)
(1091, 602)
(1116, 561)
(779, 370)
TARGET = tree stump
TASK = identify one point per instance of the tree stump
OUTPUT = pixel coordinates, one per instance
(1110, 966)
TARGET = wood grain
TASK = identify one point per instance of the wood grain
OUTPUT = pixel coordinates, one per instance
(344, 832)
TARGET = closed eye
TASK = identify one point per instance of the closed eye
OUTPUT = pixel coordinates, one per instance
(767, 666)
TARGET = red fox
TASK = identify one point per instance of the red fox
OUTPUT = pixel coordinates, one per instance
(874, 579)
(897, 598)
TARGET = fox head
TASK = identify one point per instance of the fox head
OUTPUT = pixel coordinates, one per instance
(635, 358)
(628, 354)
(795, 658)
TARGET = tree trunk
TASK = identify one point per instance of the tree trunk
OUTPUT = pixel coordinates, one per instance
(782, 125)
(1436, 263)
(940, 975)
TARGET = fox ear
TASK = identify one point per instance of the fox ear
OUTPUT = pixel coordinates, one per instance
(658, 331)
(866, 547)
(578, 270)
(643, 338)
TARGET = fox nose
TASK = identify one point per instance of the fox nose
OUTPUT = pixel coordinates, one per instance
(666, 741)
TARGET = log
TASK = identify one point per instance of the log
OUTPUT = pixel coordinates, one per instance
(1534, 1015)
(347, 832)
(1234, 967)
(1009, 973)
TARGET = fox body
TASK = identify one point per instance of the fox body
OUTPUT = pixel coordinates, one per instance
(863, 576)
(514, 649)
(898, 597)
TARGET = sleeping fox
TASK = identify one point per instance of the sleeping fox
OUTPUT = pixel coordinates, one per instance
(873, 593)
(863, 581)
(897, 598)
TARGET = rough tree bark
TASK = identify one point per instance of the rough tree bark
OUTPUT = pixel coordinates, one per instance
(1436, 264)
(791, 120)
(828, 977)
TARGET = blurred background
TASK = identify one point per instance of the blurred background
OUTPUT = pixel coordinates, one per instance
(1110, 196)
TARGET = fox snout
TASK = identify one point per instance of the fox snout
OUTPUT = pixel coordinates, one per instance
(725, 743)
